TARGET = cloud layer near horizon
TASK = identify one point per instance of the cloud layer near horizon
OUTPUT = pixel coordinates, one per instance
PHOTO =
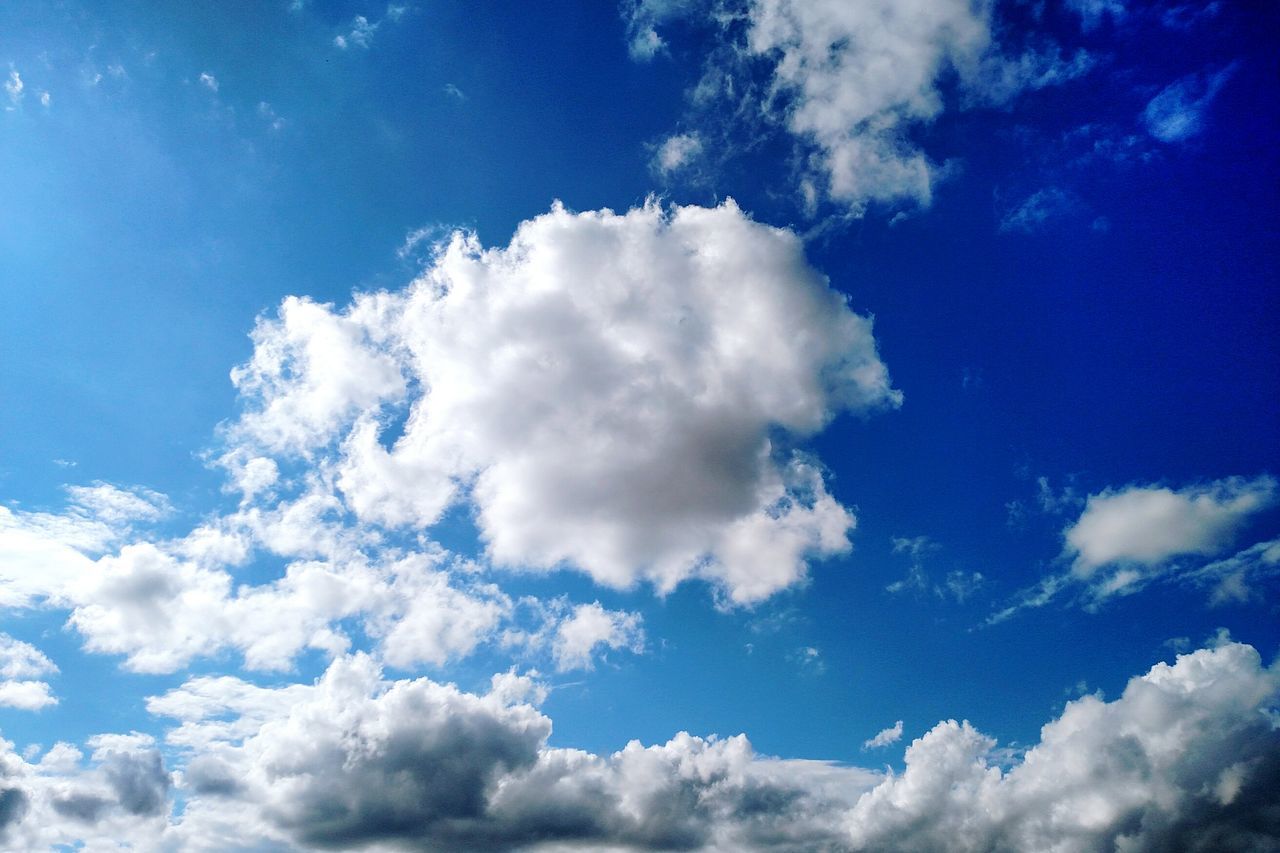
(1189, 753)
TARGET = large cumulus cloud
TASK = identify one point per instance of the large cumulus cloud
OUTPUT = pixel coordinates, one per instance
(607, 390)
(1186, 758)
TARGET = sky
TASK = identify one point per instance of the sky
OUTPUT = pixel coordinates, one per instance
(720, 425)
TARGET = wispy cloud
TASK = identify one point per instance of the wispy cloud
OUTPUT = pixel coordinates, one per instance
(885, 737)
(1179, 112)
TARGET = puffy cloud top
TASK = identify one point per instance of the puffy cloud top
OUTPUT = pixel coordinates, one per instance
(603, 389)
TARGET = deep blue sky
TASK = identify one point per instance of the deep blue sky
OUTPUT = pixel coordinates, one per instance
(1125, 339)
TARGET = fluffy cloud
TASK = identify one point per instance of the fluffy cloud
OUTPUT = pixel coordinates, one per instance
(1147, 525)
(1188, 756)
(1178, 112)
(161, 611)
(122, 792)
(1125, 539)
(21, 667)
(1183, 758)
(42, 553)
(356, 760)
(603, 390)
(590, 627)
(854, 81)
(676, 152)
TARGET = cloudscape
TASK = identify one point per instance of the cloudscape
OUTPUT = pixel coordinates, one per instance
(698, 425)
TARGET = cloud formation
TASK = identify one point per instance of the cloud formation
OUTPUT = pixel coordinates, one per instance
(1147, 525)
(1177, 113)
(603, 390)
(1187, 756)
(853, 82)
(22, 667)
(885, 737)
(1127, 538)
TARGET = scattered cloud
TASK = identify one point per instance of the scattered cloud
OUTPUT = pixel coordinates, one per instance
(853, 120)
(1237, 579)
(362, 29)
(885, 737)
(1092, 12)
(1124, 539)
(454, 92)
(22, 668)
(13, 89)
(957, 585)
(676, 152)
(269, 115)
(209, 81)
(643, 17)
(1147, 525)
(1037, 209)
(1177, 114)
(591, 627)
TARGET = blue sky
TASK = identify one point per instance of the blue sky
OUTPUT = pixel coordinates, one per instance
(675, 424)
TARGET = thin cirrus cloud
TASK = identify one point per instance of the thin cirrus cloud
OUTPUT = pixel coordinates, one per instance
(593, 412)
(1178, 113)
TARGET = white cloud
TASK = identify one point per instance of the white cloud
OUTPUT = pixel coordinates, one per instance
(454, 92)
(1178, 112)
(1125, 539)
(312, 369)
(209, 81)
(676, 152)
(161, 611)
(1235, 579)
(1147, 525)
(885, 737)
(62, 801)
(590, 627)
(356, 759)
(42, 553)
(643, 17)
(270, 116)
(362, 29)
(13, 88)
(855, 82)
(1134, 774)
(21, 666)
(116, 506)
(602, 389)
(1186, 756)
